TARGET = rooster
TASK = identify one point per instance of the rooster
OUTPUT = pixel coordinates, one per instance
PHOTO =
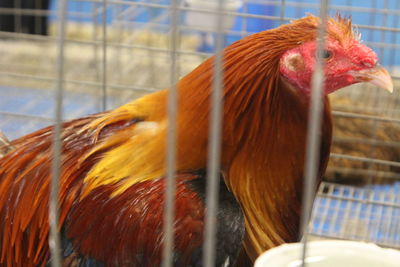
(112, 178)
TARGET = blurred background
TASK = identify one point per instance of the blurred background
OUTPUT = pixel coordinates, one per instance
(118, 50)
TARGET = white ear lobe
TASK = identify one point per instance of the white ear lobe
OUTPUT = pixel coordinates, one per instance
(294, 62)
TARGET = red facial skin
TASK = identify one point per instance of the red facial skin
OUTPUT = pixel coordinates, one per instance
(297, 65)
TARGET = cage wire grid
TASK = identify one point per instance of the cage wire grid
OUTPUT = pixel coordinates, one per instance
(114, 51)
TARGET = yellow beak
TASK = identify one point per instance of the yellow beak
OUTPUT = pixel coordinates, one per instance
(377, 76)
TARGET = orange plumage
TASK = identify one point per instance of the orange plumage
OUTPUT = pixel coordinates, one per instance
(111, 198)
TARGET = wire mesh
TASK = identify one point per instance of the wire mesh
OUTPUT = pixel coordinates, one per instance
(116, 50)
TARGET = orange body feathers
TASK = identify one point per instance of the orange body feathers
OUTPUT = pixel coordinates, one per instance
(113, 164)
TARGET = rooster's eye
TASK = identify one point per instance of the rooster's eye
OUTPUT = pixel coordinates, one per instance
(326, 54)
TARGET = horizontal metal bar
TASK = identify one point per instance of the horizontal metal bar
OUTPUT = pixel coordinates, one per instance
(26, 36)
(80, 82)
(373, 142)
(370, 110)
(395, 77)
(380, 28)
(185, 28)
(99, 43)
(369, 160)
(363, 116)
(40, 12)
(365, 173)
(26, 116)
(364, 201)
(25, 11)
(383, 45)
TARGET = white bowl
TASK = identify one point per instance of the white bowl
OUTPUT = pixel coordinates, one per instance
(330, 253)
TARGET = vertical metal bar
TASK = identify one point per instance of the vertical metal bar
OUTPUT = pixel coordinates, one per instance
(54, 238)
(325, 214)
(357, 213)
(384, 24)
(38, 18)
(18, 16)
(372, 20)
(349, 3)
(378, 218)
(336, 208)
(369, 97)
(169, 213)
(368, 212)
(282, 13)
(104, 61)
(81, 9)
(394, 38)
(313, 129)
(353, 93)
(95, 33)
(214, 147)
(117, 21)
(346, 218)
(389, 237)
(151, 55)
(245, 19)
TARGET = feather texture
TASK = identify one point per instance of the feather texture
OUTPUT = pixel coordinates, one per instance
(24, 187)
(113, 164)
(265, 124)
